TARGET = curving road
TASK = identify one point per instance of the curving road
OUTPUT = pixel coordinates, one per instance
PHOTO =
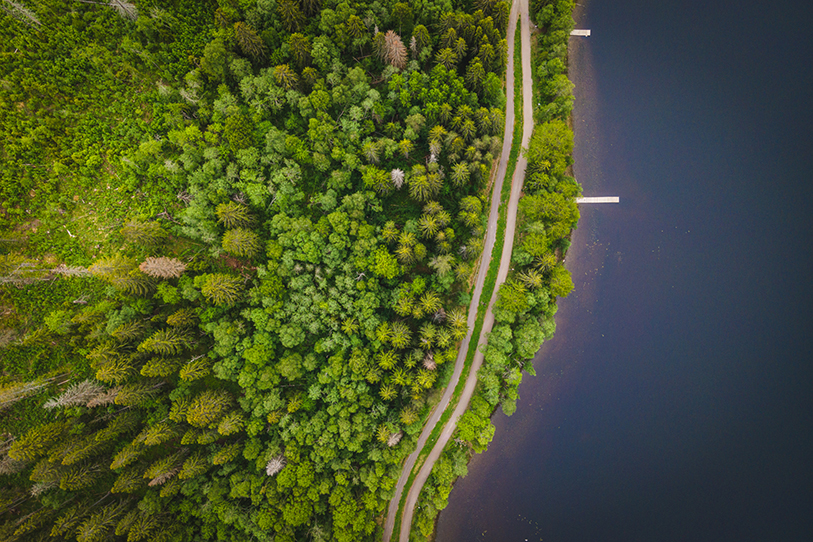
(518, 8)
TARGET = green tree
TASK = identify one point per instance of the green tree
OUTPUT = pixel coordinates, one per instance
(241, 242)
(300, 48)
(221, 289)
(248, 40)
(292, 17)
(208, 407)
(166, 342)
(233, 215)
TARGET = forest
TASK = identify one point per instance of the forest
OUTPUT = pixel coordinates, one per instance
(237, 240)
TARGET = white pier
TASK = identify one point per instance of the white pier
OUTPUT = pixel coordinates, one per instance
(601, 199)
(582, 33)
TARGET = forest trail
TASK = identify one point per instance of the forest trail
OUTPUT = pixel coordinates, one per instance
(518, 8)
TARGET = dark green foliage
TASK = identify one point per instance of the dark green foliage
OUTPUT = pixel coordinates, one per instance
(248, 387)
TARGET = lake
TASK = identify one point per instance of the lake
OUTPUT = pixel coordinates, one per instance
(675, 401)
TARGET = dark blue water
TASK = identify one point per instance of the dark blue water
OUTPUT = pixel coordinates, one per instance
(676, 400)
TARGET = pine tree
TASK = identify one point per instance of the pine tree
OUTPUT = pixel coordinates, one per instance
(285, 76)
(208, 407)
(300, 48)
(231, 423)
(37, 441)
(241, 242)
(79, 477)
(233, 215)
(226, 454)
(143, 233)
(291, 16)
(195, 369)
(126, 456)
(134, 395)
(11, 393)
(115, 372)
(394, 51)
(166, 342)
(77, 394)
(183, 318)
(460, 174)
(129, 481)
(163, 267)
(164, 469)
(100, 524)
(128, 331)
(159, 367)
(248, 40)
(68, 521)
(157, 433)
(143, 527)
(120, 423)
(221, 289)
(195, 465)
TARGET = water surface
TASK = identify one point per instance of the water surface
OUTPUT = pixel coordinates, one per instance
(675, 401)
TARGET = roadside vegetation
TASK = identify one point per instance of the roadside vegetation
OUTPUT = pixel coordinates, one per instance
(525, 309)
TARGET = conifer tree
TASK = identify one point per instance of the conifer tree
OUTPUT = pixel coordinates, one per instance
(100, 524)
(195, 369)
(129, 481)
(11, 393)
(37, 441)
(226, 454)
(133, 395)
(143, 233)
(221, 289)
(233, 215)
(291, 15)
(126, 456)
(143, 527)
(164, 469)
(208, 407)
(79, 477)
(166, 342)
(285, 76)
(128, 331)
(241, 242)
(231, 423)
(77, 394)
(163, 267)
(115, 371)
(248, 40)
(183, 318)
(195, 465)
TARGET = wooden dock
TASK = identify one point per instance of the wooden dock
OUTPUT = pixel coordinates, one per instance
(582, 33)
(601, 199)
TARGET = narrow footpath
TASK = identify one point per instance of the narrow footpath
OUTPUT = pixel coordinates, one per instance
(518, 8)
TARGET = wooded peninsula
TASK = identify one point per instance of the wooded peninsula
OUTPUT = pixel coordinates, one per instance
(237, 248)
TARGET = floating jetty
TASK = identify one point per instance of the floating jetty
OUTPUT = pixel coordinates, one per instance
(601, 199)
(582, 33)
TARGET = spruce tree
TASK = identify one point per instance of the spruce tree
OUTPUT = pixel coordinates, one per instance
(241, 242)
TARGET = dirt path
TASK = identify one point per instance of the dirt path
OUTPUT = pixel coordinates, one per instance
(518, 8)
